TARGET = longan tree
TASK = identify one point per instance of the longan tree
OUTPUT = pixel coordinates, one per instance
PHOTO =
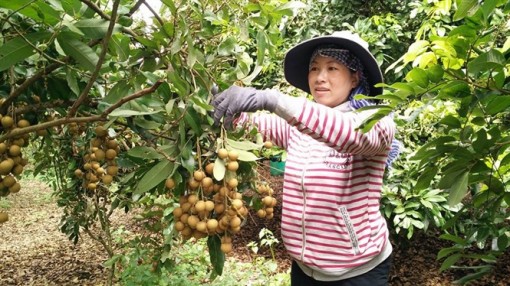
(118, 108)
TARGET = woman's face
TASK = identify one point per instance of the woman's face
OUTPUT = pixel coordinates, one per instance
(330, 81)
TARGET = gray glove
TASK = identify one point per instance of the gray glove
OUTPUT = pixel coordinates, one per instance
(236, 99)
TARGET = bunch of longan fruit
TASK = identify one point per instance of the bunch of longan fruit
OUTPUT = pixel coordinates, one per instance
(99, 163)
(11, 157)
(212, 207)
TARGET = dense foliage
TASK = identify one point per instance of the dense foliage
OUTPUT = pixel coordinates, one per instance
(88, 77)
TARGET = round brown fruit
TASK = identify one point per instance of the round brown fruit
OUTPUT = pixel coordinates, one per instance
(212, 225)
(9, 181)
(111, 154)
(233, 155)
(209, 206)
(226, 248)
(233, 183)
(6, 166)
(100, 131)
(112, 144)
(209, 168)
(3, 147)
(14, 150)
(100, 154)
(91, 186)
(179, 226)
(3, 217)
(7, 121)
(237, 204)
(233, 166)
(235, 222)
(107, 179)
(222, 153)
(268, 144)
(23, 123)
(112, 170)
(198, 175)
(207, 182)
(169, 184)
(15, 188)
(200, 206)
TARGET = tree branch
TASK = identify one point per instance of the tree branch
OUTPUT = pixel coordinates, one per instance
(21, 131)
(85, 93)
(133, 96)
(100, 12)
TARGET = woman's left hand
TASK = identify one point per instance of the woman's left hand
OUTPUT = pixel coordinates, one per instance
(236, 99)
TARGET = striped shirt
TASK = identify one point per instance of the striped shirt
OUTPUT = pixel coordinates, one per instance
(331, 221)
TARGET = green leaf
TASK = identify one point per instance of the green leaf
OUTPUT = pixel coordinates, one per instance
(128, 112)
(487, 61)
(191, 118)
(78, 50)
(454, 238)
(72, 81)
(447, 251)
(426, 178)
(117, 92)
(18, 49)
(216, 256)
(242, 145)
(465, 7)
(144, 152)
(219, 169)
(435, 73)
(451, 121)
(227, 47)
(247, 156)
(455, 89)
(154, 176)
(497, 104)
(481, 144)
(458, 189)
(95, 28)
(37, 10)
(418, 76)
(120, 44)
(451, 260)
(180, 86)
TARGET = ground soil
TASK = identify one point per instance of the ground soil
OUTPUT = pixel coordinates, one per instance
(34, 252)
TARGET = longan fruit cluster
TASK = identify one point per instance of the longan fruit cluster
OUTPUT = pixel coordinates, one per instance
(212, 207)
(268, 201)
(11, 157)
(99, 162)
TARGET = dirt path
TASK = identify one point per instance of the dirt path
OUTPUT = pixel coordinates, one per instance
(34, 252)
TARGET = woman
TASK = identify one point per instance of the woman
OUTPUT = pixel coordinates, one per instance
(331, 223)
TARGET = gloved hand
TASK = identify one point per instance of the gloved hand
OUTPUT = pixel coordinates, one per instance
(236, 99)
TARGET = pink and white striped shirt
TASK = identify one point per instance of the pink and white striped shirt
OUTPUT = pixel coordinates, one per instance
(331, 222)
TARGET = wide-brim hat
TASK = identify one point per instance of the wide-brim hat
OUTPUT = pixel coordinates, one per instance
(297, 59)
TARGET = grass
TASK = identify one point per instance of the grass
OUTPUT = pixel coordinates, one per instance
(193, 268)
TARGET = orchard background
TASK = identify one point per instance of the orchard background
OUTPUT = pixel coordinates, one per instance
(111, 110)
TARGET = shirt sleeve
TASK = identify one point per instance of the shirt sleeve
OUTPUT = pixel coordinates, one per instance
(336, 128)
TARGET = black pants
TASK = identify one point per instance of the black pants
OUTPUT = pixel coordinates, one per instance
(375, 277)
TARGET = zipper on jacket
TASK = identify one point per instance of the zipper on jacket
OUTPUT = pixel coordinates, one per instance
(350, 229)
(303, 214)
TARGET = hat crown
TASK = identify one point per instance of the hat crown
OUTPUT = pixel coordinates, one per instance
(348, 35)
